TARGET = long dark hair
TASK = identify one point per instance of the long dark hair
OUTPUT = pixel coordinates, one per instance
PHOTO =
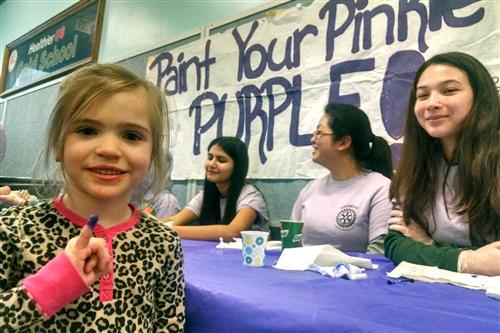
(210, 209)
(476, 155)
(372, 152)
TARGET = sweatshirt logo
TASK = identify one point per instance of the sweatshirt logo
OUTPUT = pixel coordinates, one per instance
(346, 217)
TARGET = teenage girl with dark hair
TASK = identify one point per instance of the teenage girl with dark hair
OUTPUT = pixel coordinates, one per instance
(349, 208)
(227, 204)
(447, 183)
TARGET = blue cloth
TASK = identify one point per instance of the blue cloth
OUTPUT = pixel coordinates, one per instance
(222, 295)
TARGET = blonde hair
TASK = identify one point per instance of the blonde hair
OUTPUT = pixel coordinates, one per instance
(92, 84)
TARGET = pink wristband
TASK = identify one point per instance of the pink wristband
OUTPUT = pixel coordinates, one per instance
(55, 285)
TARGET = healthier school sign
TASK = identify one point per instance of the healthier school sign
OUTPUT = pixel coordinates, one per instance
(268, 80)
(63, 43)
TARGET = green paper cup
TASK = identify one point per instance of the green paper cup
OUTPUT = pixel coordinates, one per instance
(291, 234)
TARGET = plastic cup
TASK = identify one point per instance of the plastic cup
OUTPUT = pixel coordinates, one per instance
(254, 247)
(291, 234)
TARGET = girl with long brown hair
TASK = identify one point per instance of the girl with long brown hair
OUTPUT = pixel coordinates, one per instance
(446, 188)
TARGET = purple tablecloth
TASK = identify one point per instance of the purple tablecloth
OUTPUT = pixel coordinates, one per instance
(223, 296)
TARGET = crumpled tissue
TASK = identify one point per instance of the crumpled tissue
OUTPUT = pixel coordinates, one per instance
(301, 258)
(340, 270)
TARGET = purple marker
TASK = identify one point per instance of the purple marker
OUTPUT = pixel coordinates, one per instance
(91, 223)
(400, 281)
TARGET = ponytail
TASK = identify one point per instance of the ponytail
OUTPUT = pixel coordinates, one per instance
(372, 152)
(379, 158)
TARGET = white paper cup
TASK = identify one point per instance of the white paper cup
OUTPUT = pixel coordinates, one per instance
(254, 247)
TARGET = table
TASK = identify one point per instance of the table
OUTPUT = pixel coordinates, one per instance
(222, 296)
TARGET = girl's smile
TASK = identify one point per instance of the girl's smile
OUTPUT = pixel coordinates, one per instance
(107, 172)
(107, 152)
(444, 99)
(219, 166)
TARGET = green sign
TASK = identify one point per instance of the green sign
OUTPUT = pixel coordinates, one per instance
(69, 40)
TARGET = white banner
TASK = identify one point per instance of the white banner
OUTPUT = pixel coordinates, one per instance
(267, 81)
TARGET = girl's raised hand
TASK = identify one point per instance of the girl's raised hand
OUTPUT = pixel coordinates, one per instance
(89, 255)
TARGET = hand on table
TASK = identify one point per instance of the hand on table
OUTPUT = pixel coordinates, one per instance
(484, 261)
(24, 194)
(15, 198)
(12, 199)
(4, 190)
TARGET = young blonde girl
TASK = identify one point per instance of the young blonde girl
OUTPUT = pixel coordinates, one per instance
(123, 274)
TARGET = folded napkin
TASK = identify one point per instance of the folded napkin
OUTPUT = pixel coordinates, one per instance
(435, 275)
(238, 245)
(301, 258)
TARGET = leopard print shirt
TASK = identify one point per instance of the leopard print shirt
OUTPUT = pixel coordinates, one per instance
(148, 277)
